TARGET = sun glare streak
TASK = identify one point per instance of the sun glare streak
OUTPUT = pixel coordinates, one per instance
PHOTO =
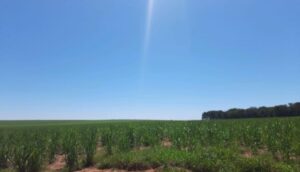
(148, 24)
(146, 44)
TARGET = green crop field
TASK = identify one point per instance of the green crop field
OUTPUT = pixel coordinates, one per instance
(271, 144)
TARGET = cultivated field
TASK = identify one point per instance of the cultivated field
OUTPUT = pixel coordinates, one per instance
(223, 145)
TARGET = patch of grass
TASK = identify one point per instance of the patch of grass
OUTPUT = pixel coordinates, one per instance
(210, 159)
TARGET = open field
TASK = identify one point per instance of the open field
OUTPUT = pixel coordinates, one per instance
(223, 145)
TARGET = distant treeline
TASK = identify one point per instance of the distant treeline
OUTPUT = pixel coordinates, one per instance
(292, 109)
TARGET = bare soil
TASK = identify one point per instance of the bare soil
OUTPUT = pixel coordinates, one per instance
(58, 164)
(166, 143)
(247, 154)
(93, 169)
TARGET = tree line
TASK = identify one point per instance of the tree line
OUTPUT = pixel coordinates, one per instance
(291, 109)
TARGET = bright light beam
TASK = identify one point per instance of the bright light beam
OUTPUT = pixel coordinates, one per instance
(146, 40)
(148, 24)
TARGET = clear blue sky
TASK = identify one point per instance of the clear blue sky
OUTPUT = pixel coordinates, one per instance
(111, 59)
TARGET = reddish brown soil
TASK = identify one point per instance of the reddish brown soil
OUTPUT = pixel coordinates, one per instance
(166, 143)
(93, 169)
(58, 164)
(247, 154)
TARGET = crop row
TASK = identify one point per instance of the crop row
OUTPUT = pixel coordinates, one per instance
(28, 149)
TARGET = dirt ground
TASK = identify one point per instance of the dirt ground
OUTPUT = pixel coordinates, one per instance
(93, 169)
(166, 143)
(58, 164)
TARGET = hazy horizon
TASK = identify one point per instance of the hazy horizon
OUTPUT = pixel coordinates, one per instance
(150, 59)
